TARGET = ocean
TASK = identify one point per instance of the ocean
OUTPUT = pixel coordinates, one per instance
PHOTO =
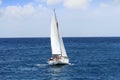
(91, 58)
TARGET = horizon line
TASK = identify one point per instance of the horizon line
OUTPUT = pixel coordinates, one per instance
(67, 37)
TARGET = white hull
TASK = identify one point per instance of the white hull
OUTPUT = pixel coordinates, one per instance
(61, 61)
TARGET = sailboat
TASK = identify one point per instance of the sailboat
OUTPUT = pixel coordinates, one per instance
(59, 55)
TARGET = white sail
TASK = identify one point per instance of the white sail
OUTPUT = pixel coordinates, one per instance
(63, 48)
(56, 41)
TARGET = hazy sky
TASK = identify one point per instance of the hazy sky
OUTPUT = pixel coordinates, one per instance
(77, 18)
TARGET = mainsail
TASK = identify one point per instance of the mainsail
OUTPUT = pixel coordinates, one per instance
(57, 44)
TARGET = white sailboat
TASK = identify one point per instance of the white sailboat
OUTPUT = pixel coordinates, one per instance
(59, 55)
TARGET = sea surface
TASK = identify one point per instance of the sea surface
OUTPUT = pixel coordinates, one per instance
(91, 58)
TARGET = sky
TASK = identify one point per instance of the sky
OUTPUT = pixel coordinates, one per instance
(76, 18)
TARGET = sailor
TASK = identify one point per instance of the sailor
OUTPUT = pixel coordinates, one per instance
(57, 57)
(51, 58)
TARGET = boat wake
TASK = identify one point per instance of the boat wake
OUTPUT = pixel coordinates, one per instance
(71, 64)
(41, 65)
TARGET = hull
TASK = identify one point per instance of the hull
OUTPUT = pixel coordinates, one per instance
(61, 61)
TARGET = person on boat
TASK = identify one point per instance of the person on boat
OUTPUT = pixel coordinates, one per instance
(51, 58)
(57, 57)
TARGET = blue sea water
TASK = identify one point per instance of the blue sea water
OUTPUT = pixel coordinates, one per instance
(91, 58)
